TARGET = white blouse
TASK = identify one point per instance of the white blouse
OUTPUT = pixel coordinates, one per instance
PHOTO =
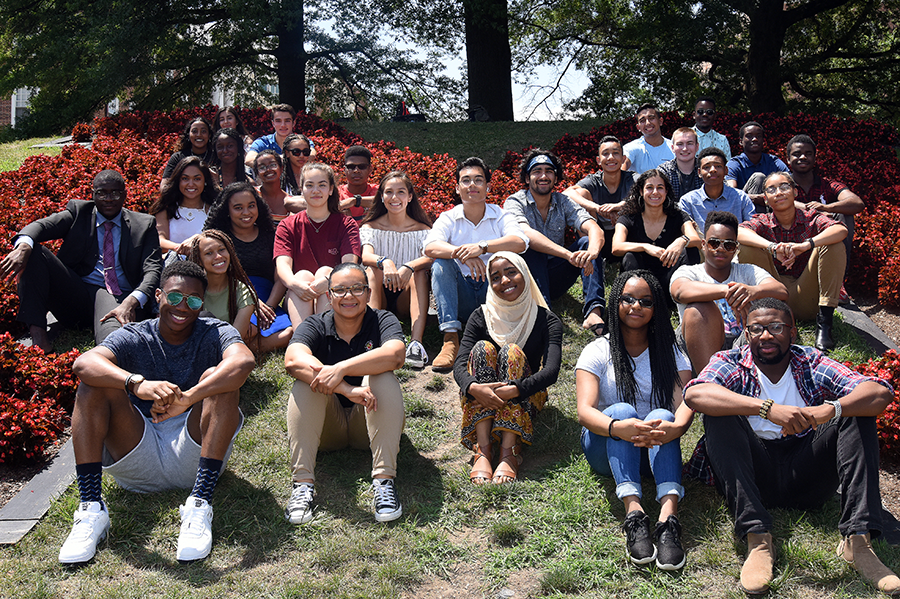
(400, 247)
(189, 222)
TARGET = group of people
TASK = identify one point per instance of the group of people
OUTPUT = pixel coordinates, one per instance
(283, 256)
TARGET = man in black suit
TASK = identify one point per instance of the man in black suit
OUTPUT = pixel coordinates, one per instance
(104, 273)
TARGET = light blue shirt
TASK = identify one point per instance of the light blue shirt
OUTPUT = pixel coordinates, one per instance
(644, 157)
(698, 205)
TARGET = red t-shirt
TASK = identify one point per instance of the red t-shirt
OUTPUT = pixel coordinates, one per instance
(357, 213)
(297, 237)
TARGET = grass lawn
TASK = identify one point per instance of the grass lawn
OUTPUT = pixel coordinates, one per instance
(12, 154)
(555, 533)
(489, 141)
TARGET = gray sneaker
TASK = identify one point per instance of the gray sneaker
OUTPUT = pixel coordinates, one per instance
(415, 355)
(299, 509)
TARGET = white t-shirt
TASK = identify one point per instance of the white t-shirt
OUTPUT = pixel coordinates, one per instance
(784, 393)
(748, 274)
(596, 359)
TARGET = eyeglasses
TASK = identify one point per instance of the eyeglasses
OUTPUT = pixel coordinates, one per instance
(356, 167)
(477, 182)
(300, 151)
(356, 290)
(269, 166)
(705, 111)
(114, 195)
(785, 187)
(645, 302)
(729, 244)
(193, 302)
(774, 328)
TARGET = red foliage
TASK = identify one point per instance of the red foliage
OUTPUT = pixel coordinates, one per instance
(36, 392)
(887, 367)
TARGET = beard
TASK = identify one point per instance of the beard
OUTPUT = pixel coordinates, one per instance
(775, 359)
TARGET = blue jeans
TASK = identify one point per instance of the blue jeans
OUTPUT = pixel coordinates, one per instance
(456, 296)
(623, 461)
(555, 275)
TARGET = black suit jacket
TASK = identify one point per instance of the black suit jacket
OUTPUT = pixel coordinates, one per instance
(139, 252)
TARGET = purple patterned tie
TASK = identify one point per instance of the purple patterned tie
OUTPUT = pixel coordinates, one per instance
(109, 260)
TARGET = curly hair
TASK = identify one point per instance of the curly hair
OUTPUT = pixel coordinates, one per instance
(219, 216)
(532, 154)
(414, 209)
(185, 145)
(235, 271)
(240, 173)
(170, 196)
(660, 336)
(635, 202)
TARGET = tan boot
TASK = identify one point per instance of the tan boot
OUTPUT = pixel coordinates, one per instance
(756, 574)
(857, 551)
(444, 360)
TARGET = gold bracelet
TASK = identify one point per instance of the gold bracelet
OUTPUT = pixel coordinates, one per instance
(764, 410)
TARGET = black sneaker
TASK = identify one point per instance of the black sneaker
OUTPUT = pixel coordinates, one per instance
(387, 507)
(670, 553)
(638, 541)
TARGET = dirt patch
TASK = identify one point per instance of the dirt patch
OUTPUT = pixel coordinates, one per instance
(888, 320)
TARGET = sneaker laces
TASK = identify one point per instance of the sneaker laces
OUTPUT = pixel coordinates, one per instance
(385, 495)
(634, 529)
(670, 532)
(301, 498)
(83, 527)
(196, 521)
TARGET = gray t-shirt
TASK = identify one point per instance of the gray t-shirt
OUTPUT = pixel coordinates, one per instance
(601, 195)
(748, 274)
(596, 359)
(139, 348)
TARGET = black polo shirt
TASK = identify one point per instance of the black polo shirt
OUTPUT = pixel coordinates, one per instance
(318, 333)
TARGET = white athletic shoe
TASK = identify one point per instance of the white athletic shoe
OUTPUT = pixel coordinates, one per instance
(300, 506)
(91, 526)
(416, 357)
(195, 538)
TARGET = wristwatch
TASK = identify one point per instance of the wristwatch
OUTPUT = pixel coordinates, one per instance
(132, 381)
(358, 199)
(484, 246)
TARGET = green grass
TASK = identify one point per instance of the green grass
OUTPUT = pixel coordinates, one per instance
(555, 533)
(14, 153)
(489, 141)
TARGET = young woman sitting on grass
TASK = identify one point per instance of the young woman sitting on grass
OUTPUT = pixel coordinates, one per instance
(392, 234)
(628, 388)
(244, 217)
(229, 157)
(195, 141)
(182, 205)
(309, 244)
(268, 167)
(228, 118)
(297, 152)
(509, 355)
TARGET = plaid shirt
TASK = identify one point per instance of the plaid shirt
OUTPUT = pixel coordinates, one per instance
(807, 223)
(818, 379)
(681, 184)
(824, 191)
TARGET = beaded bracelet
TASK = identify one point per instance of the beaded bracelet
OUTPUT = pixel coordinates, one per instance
(764, 410)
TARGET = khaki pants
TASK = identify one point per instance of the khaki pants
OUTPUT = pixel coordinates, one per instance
(316, 421)
(818, 285)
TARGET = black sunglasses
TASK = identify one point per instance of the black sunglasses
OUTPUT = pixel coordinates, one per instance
(645, 302)
(356, 167)
(300, 152)
(706, 111)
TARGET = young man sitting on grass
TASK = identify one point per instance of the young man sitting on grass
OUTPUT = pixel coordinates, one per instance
(787, 427)
(157, 408)
(713, 297)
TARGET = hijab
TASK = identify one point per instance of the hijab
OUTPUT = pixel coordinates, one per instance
(511, 322)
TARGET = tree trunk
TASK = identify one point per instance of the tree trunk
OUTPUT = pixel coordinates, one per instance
(488, 57)
(291, 58)
(765, 77)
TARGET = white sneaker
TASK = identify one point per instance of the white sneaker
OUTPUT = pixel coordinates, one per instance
(387, 507)
(91, 526)
(299, 509)
(416, 357)
(195, 538)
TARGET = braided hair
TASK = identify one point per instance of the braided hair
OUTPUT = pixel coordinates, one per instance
(661, 337)
(235, 271)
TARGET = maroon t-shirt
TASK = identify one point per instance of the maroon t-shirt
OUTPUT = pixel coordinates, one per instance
(312, 249)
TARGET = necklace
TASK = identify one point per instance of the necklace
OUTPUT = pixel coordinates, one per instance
(189, 213)
(319, 228)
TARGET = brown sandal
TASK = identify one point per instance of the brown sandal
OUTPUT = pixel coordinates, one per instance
(479, 476)
(511, 458)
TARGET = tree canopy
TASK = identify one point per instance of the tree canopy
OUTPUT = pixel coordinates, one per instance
(763, 55)
(80, 54)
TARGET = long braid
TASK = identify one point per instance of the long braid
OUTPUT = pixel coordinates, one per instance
(661, 340)
(235, 273)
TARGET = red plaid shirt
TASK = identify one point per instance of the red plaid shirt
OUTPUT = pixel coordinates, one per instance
(807, 223)
(824, 191)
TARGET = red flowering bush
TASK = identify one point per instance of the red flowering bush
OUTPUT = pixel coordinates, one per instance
(37, 392)
(887, 367)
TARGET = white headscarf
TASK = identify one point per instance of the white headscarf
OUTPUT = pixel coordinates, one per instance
(511, 322)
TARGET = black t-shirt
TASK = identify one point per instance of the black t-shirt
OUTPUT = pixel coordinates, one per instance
(257, 256)
(593, 183)
(670, 232)
(208, 158)
(318, 334)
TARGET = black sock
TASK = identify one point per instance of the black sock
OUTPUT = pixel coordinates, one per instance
(89, 476)
(207, 476)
